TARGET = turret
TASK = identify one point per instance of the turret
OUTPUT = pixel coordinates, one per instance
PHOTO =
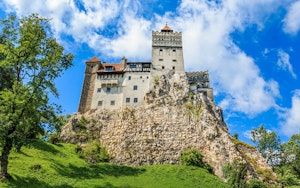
(90, 75)
(167, 54)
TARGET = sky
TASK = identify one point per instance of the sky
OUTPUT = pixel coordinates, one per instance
(250, 48)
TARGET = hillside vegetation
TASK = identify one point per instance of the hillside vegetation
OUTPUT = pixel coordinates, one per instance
(46, 165)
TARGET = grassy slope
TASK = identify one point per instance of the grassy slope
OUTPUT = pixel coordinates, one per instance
(61, 167)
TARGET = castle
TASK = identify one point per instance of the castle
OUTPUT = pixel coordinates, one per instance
(112, 86)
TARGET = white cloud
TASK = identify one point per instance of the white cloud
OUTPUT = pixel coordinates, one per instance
(284, 63)
(291, 125)
(292, 21)
(207, 46)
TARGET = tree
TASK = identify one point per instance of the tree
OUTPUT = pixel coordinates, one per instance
(267, 143)
(289, 169)
(236, 135)
(31, 59)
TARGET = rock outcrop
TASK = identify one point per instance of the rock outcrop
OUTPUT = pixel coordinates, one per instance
(172, 120)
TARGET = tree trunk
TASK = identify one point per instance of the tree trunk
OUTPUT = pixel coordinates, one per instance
(4, 158)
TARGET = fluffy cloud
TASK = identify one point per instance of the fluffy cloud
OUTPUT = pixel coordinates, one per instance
(291, 125)
(284, 63)
(292, 21)
(207, 45)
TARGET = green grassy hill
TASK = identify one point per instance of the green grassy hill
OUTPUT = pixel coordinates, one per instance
(46, 165)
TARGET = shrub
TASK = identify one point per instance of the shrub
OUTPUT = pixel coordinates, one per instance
(191, 157)
(54, 138)
(256, 183)
(93, 152)
(235, 173)
(156, 80)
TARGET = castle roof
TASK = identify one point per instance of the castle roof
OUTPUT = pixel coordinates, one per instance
(166, 29)
(111, 68)
(93, 60)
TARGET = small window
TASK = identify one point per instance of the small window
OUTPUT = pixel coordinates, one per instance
(100, 103)
(109, 68)
(147, 77)
(129, 77)
(173, 67)
(135, 100)
(174, 60)
(127, 100)
(174, 50)
(160, 59)
(132, 66)
(112, 103)
(141, 77)
(163, 67)
(135, 87)
(108, 90)
(160, 50)
(99, 90)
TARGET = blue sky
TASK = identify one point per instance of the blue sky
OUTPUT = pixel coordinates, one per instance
(251, 49)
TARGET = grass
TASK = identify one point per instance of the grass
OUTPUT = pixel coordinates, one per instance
(61, 167)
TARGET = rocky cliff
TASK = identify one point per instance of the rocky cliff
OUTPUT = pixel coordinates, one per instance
(172, 120)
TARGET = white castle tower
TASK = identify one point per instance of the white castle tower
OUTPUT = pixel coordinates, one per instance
(167, 52)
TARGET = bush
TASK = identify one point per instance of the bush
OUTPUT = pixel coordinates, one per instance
(54, 138)
(235, 173)
(93, 152)
(289, 179)
(191, 157)
(255, 183)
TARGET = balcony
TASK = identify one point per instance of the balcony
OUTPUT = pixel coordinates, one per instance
(109, 82)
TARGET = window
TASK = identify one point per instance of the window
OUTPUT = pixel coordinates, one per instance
(135, 100)
(163, 67)
(132, 66)
(135, 87)
(100, 103)
(173, 67)
(174, 60)
(112, 103)
(108, 90)
(147, 77)
(98, 90)
(160, 59)
(109, 68)
(174, 50)
(160, 52)
(129, 77)
(127, 100)
(141, 77)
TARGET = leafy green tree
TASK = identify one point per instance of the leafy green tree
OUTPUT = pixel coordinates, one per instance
(32, 59)
(236, 135)
(267, 143)
(292, 153)
(289, 170)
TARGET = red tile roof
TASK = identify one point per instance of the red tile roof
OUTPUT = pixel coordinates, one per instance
(116, 68)
(94, 59)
